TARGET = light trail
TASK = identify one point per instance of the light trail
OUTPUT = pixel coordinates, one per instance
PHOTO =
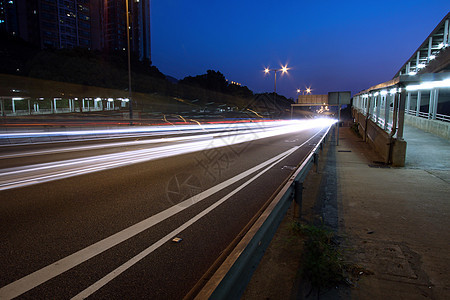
(203, 133)
(14, 139)
(157, 130)
(39, 173)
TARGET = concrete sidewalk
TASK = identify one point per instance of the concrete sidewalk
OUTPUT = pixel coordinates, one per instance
(394, 222)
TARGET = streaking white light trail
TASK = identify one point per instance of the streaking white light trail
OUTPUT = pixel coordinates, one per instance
(205, 132)
(38, 173)
(137, 131)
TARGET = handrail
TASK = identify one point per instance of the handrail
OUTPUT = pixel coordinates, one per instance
(232, 277)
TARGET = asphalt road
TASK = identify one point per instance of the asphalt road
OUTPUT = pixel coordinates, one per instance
(108, 234)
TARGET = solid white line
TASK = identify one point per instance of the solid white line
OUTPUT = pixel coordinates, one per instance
(105, 280)
(38, 277)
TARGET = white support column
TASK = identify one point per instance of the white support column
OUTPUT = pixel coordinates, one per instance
(419, 96)
(367, 108)
(408, 103)
(436, 101)
(13, 106)
(408, 67)
(417, 60)
(54, 105)
(378, 101)
(401, 114)
(70, 105)
(387, 106)
(446, 35)
(372, 107)
(431, 105)
(374, 111)
(430, 44)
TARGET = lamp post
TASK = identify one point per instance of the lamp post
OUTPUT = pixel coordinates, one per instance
(130, 102)
(283, 70)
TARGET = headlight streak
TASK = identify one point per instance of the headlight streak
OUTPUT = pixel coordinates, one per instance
(268, 126)
(48, 137)
(27, 175)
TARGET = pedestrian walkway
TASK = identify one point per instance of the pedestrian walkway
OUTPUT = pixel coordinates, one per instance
(393, 222)
(425, 150)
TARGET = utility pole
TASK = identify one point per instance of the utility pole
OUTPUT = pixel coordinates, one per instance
(130, 101)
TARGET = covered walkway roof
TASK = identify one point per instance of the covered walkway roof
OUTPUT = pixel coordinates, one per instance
(432, 49)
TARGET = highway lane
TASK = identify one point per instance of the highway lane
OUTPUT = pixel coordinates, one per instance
(40, 148)
(44, 223)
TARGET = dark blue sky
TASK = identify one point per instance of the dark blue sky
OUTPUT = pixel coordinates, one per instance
(329, 45)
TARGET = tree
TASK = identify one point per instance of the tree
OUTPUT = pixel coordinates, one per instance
(212, 80)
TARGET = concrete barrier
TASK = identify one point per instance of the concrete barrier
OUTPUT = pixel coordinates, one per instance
(436, 127)
(392, 150)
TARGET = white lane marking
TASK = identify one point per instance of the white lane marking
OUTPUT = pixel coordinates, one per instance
(105, 280)
(40, 276)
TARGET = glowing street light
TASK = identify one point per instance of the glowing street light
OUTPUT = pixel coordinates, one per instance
(283, 70)
(307, 91)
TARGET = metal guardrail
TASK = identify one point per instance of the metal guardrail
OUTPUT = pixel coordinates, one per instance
(425, 115)
(232, 277)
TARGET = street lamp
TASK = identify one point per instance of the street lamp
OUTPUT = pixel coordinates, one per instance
(283, 70)
(306, 90)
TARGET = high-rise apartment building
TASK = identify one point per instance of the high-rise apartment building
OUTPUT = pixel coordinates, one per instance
(8, 16)
(114, 26)
(141, 37)
(92, 24)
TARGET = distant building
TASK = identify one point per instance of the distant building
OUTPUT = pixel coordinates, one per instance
(8, 16)
(91, 24)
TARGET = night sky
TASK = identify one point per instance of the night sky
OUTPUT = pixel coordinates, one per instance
(329, 45)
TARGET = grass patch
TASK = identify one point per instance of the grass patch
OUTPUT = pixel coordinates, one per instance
(322, 263)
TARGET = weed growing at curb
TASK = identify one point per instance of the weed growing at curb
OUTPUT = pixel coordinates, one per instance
(322, 263)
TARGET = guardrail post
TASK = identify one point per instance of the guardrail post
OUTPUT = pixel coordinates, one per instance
(316, 161)
(298, 195)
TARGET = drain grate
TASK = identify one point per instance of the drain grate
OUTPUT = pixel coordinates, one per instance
(344, 150)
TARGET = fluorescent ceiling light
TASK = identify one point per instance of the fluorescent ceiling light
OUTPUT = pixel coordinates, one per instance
(429, 85)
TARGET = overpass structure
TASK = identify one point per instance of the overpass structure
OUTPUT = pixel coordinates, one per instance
(418, 95)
